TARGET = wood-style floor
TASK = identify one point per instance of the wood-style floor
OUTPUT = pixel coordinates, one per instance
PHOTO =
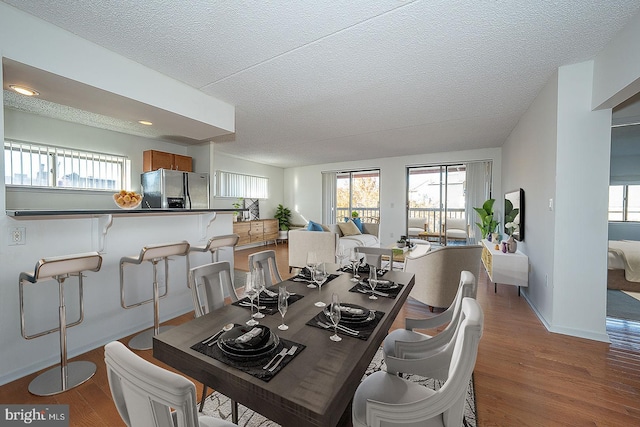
(524, 375)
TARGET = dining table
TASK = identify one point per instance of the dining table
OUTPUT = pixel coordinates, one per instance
(316, 386)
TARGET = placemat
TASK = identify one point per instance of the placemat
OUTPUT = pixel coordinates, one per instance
(302, 279)
(270, 304)
(363, 287)
(252, 367)
(362, 269)
(364, 331)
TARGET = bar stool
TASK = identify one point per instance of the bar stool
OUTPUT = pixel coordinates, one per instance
(215, 243)
(154, 254)
(67, 375)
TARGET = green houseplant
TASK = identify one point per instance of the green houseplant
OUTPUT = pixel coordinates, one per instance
(283, 215)
(354, 214)
(238, 204)
(487, 223)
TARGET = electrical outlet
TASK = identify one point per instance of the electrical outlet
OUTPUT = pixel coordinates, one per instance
(17, 236)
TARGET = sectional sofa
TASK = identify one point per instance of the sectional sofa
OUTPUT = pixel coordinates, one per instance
(324, 243)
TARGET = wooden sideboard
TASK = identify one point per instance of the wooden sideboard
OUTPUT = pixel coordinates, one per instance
(506, 268)
(262, 230)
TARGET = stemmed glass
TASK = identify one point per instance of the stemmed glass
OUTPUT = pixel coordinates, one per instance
(258, 280)
(319, 276)
(373, 280)
(341, 255)
(312, 261)
(354, 257)
(250, 291)
(283, 303)
(334, 317)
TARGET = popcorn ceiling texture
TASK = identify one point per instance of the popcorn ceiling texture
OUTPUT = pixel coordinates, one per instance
(316, 81)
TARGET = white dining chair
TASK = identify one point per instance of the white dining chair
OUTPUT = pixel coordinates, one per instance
(267, 261)
(384, 399)
(210, 285)
(407, 351)
(147, 395)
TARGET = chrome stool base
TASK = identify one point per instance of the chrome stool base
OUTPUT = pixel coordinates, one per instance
(49, 382)
(144, 340)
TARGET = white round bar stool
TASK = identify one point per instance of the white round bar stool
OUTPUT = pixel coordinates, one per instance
(67, 375)
(215, 243)
(154, 254)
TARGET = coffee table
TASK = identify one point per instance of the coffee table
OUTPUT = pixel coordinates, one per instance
(431, 236)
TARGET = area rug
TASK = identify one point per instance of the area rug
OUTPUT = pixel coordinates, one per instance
(622, 306)
(219, 406)
(635, 295)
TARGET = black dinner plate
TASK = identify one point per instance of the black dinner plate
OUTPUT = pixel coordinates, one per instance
(258, 346)
(353, 318)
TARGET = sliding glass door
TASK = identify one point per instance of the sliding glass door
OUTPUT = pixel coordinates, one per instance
(434, 194)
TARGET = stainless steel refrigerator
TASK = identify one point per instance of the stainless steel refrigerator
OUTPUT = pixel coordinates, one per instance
(169, 189)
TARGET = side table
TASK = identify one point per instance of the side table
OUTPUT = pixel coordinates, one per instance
(505, 268)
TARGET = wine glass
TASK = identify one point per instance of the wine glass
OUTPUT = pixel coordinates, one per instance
(250, 291)
(319, 276)
(334, 316)
(341, 255)
(312, 261)
(354, 257)
(373, 280)
(258, 280)
(283, 303)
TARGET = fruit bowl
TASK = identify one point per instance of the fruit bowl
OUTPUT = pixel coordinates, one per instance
(127, 199)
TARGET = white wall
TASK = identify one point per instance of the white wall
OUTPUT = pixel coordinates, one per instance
(529, 162)
(303, 186)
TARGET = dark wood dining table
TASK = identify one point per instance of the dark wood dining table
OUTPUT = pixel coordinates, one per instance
(313, 389)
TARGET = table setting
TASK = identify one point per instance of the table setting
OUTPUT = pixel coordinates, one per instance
(353, 320)
(266, 302)
(255, 350)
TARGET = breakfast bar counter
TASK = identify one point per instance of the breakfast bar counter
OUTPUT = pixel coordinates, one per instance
(31, 213)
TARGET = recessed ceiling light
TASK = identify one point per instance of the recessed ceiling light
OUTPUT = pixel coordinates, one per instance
(145, 122)
(24, 90)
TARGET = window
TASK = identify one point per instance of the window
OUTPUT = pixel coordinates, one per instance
(624, 203)
(230, 184)
(36, 165)
(360, 192)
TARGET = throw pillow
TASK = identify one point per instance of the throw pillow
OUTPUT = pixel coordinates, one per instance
(349, 228)
(314, 226)
(357, 222)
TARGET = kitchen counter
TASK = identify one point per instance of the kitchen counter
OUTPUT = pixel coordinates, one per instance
(32, 213)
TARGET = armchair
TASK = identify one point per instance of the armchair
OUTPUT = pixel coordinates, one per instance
(456, 229)
(415, 226)
(437, 272)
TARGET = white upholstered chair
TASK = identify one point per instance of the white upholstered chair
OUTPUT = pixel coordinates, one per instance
(267, 261)
(456, 229)
(384, 399)
(415, 226)
(407, 351)
(437, 272)
(210, 285)
(145, 394)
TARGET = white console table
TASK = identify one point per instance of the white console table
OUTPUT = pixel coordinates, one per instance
(505, 268)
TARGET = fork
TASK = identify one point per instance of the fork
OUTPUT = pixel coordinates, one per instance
(340, 327)
(291, 352)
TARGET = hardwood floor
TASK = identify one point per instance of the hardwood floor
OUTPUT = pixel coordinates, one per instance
(524, 375)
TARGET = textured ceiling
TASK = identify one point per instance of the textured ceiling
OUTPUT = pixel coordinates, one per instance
(323, 81)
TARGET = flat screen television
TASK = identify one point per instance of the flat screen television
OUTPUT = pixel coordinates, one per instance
(514, 214)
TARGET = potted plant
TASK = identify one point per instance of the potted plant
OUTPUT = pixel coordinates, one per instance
(354, 214)
(283, 215)
(487, 223)
(238, 204)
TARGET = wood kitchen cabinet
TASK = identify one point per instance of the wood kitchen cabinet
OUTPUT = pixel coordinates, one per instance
(257, 231)
(153, 160)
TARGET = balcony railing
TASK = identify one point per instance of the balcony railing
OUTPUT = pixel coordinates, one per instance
(432, 215)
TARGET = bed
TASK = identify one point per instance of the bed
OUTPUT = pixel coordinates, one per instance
(624, 265)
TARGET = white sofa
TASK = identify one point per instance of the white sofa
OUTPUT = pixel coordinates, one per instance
(325, 243)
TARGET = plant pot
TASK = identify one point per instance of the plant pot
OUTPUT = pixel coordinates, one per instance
(283, 235)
